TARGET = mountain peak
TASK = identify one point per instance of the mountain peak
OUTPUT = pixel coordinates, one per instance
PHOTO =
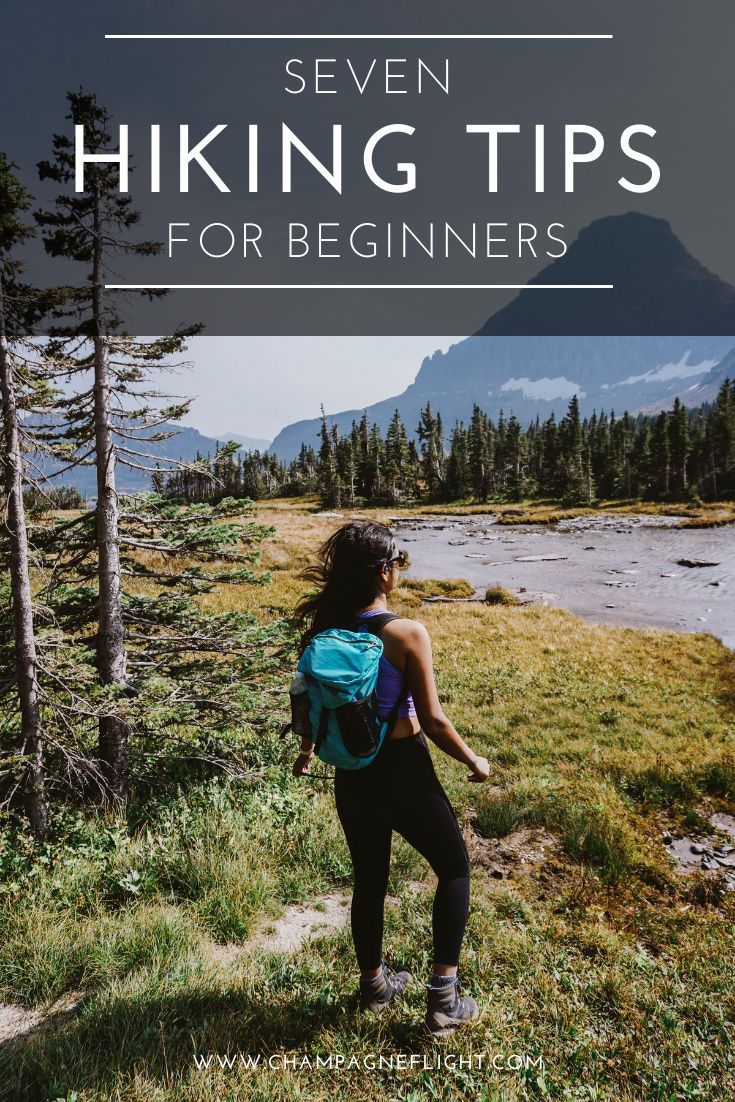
(658, 287)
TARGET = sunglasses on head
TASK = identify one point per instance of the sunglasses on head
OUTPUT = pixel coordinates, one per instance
(401, 558)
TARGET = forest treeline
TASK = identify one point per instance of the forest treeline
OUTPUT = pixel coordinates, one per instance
(681, 454)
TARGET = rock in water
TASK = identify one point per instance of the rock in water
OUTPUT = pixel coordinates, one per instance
(540, 558)
(695, 563)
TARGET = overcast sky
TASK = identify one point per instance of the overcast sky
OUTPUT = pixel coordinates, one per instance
(254, 386)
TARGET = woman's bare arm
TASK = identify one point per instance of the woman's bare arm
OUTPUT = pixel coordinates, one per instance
(420, 677)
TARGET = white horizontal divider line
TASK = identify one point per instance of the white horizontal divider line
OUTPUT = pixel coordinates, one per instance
(366, 37)
(359, 286)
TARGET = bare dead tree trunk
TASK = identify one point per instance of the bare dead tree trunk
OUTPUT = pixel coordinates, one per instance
(31, 740)
(111, 657)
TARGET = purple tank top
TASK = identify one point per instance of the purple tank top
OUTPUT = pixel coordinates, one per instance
(390, 682)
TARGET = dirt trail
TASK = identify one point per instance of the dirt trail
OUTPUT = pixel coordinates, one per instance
(17, 1021)
(301, 921)
(298, 923)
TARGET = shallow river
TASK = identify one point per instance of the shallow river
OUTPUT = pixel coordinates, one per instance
(609, 569)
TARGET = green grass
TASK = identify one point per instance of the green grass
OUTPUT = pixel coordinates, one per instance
(601, 959)
(709, 514)
(416, 590)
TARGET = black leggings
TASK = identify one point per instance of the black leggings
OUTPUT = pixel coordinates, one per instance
(400, 791)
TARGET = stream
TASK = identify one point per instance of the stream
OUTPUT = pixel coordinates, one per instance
(625, 570)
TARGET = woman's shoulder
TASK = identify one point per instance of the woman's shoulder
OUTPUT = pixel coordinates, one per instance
(405, 630)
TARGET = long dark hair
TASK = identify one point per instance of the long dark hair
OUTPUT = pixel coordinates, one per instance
(346, 571)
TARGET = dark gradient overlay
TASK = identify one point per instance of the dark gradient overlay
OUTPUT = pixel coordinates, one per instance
(668, 66)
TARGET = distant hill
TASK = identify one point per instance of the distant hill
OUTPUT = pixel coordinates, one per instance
(659, 288)
(249, 443)
(185, 445)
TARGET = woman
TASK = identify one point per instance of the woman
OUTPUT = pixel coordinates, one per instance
(399, 790)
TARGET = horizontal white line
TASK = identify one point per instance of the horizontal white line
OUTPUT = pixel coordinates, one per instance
(359, 286)
(367, 37)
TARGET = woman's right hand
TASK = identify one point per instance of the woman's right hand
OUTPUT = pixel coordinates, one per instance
(480, 770)
(302, 763)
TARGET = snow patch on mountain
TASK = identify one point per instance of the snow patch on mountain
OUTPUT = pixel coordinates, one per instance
(545, 387)
(681, 370)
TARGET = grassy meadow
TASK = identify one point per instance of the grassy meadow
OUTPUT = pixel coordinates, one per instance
(599, 957)
(709, 514)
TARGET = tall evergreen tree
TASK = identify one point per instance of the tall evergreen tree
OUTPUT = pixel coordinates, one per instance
(431, 441)
(16, 305)
(117, 418)
(330, 488)
(397, 460)
(721, 450)
(458, 482)
(575, 482)
(661, 454)
(480, 447)
(679, 444)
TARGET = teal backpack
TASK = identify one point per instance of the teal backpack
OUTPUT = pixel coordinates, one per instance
(340, 669)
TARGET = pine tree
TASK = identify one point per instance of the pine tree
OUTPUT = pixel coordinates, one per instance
(721, 452)
(431, 440)
(575, 482)
(376, 459)
(480, 453)
(396, 460)
(458, 480)
(551, 477)
(517, 475)
(643, 462)
(16, 304)
(661, 454)
(347, 466)
(120, 419)
(623, 443)
(330, 489)
(679, 444)
(119, 416)
(302, 472)
(365, 469)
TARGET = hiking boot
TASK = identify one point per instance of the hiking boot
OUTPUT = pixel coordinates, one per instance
(446, 1009)
(376, 993)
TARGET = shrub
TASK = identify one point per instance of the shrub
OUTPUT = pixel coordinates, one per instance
(498, 595)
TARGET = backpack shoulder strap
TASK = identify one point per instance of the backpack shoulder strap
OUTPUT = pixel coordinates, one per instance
(375, 624)
(322, 732)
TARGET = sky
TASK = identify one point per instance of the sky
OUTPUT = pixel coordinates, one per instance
(253, 386)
